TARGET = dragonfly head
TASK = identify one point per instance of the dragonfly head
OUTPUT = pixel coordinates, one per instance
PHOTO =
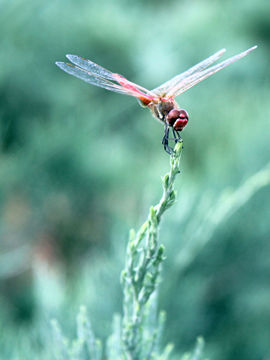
(178, 119)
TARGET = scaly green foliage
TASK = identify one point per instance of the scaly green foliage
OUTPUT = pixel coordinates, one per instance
(137, 336)
(140, 276)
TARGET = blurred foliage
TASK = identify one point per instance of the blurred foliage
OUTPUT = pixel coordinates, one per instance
(80, 165)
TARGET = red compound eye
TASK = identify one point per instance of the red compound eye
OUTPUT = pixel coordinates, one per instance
(180, 124)
(172, 116)
(178, 119)
(182, 120)
(183, 114)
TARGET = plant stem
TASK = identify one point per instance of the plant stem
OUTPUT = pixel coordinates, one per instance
(141, 274)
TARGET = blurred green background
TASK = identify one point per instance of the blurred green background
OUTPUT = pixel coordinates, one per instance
(80, 165)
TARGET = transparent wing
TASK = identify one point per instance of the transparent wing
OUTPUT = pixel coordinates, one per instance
(194, 79)
(164, 88)
(92, 78)
(94, 74)
(90, 66)
(96, 69)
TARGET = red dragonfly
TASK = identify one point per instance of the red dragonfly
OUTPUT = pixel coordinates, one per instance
(159, 100)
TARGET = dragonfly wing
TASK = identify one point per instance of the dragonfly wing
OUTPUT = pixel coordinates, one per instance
(93, 79)
(91, 67)
(95, 74)
(194, 79)
(164, 88)
(94, 68)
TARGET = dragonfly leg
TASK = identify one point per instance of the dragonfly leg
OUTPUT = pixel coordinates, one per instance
(165, 140)
(176, 136)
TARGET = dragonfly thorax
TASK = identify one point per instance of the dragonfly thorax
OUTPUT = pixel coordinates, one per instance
(161, 108)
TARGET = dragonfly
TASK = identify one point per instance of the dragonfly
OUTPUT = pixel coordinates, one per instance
(161, 100)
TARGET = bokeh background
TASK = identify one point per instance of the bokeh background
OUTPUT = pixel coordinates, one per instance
(79, 166)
